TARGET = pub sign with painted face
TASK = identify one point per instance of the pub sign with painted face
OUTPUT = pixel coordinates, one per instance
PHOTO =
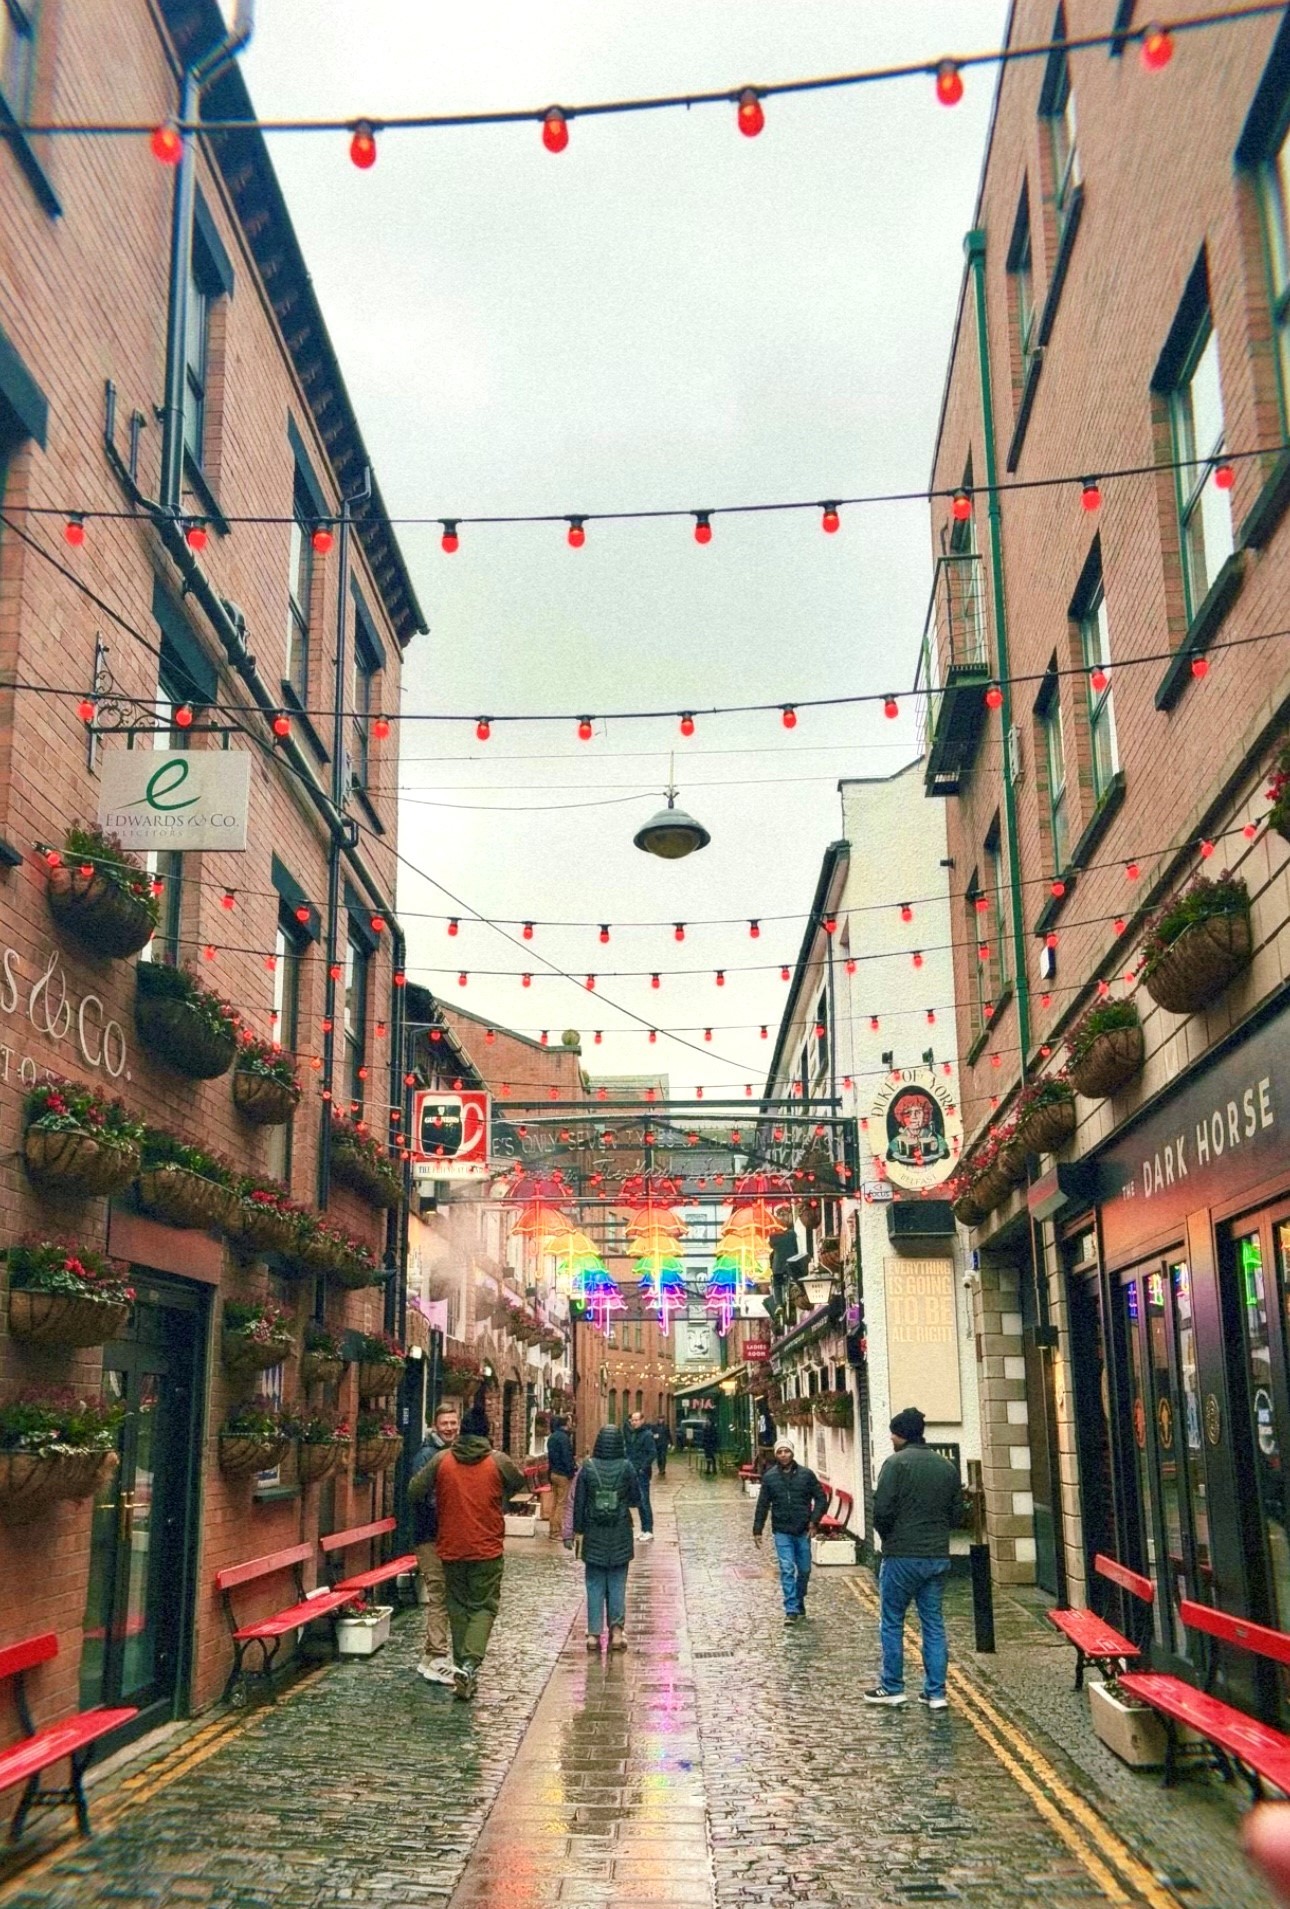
(916, 1129)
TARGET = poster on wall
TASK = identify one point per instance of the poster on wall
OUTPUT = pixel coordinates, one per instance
(915, 1128)
(922, 1337)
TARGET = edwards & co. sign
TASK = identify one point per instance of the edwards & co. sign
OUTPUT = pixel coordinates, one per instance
(35, 999)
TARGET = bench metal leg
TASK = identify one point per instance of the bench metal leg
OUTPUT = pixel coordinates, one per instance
(19, 1822)
(78, 1792)
(1171, 1754)
(1079, 1668)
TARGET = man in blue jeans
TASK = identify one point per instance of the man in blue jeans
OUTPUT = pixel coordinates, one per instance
(642, 1450)
(917, 1503)
(796, 1501)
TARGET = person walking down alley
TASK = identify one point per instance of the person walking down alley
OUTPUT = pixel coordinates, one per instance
(663, 1442)
(470, 1484)
(710, 1444)
(917, 1503)
(642, 1450)
(560, 1469)
(795, 1501)
(436, 1655)
(607, 1486)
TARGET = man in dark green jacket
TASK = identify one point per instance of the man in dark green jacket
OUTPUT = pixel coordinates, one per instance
(917, 1503)
(642, 1451)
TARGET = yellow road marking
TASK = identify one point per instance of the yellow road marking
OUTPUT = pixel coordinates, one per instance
(1063, 1808)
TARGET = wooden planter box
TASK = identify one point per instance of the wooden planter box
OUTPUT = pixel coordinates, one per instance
(73, 1161)
(1108, 1063)
(65, 1319)
(1195, 969)
(179, 1036)
(183, 1198)
(99, 911)
(1044, 1129)
(317, 1368)
(316, 1462)
(378, 1378)
(241, 1354)
(264, 1101)
(239, 1456)
(31, 1481)
(372, 1455)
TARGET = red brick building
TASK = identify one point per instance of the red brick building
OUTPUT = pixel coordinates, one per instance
(1110, 686)
(185, 627)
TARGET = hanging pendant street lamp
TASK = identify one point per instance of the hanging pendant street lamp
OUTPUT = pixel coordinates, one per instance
(671, 833)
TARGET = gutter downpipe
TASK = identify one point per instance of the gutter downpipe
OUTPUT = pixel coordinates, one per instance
(338, 794)
(974, 248)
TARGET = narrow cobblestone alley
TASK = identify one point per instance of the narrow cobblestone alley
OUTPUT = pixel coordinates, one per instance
(722, 1762)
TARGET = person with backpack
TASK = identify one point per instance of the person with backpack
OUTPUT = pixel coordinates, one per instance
(560, 1469)
(470, 1484)
(918, 1501)
(604, 1492)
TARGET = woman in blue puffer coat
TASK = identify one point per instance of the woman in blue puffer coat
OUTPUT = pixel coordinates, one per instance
(604, 1492)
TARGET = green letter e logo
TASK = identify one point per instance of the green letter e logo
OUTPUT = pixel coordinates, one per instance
(165, 781)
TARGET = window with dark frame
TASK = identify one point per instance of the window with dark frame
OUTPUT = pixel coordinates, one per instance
(822, 1032)
(17, 55)
(1272, 182)
(167, 865)
(1049, 712)
(1195, 399)
(367, 668)
(300, 580)
(196, 365)
(355, 1016)
(996, 889)
(289, 949)
(1089, 610)
(981, 928)
(1057, 107)
(1021, 268)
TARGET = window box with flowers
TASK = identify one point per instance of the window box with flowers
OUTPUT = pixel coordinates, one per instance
(380, 1360)
(1045, 1115)
(836, 1409)
(100, 894)
(184, 1185)
(256, 1335)
(322, 1362)
(358, 1265)
(266, 1087)
(54, 1444)
(61, 1294)
(318, 1247)
(377, 1443)
(253, 1438)
(183, 1024)
(324, 1442)
(461, 1374)
(1199, 944)
(1106, 1049)
(79, 1142)
(359, 1162)
(265, 1220)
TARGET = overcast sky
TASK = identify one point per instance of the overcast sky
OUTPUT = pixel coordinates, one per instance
(666, 314)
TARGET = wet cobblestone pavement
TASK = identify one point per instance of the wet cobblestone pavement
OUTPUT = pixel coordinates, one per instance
(724, 1761)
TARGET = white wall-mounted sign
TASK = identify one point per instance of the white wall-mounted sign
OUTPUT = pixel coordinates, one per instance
(915, 1128)
(175, 799)
(450, 1135)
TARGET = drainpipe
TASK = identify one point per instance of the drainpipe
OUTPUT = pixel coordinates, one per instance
(195, 80)
(974, 247)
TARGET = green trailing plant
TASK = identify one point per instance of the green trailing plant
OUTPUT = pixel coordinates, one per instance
(265, 1061)
(362, 1162)
(379, 1348)
(67, 1106)
(1205, 899)
(318, 1339)
(320, 1425)
(62, 1267)
(375, 1425)
(1103, 1017)
(257, 1418)
(1050, 1090)
(159, 981)
(86, 846)
(59, 1421)
(258, 1322)
(168, 1150)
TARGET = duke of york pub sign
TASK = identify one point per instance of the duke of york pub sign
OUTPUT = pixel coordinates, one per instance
(175, 799)
(915, 1129)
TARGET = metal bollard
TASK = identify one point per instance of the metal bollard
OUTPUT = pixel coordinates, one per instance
(979, 1561)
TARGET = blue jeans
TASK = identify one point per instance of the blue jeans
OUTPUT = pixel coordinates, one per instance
(922, 1581)
(647, 1509)
(794, 1555)
(606, 1586)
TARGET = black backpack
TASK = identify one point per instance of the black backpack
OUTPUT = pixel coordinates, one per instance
(604, 1501)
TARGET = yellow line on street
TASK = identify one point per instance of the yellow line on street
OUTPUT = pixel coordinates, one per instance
(1098, 1845)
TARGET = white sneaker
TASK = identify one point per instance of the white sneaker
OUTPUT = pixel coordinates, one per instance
(436, 1670)
(647, 1537)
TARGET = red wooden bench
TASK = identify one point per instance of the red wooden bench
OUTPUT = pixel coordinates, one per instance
(268, 1632)
(72, 1737)
(1261, 1753)
(1097, 1642)
(836, 1522)
(336, 1543)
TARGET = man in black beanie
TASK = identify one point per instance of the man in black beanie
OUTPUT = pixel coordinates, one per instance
(917, 1503)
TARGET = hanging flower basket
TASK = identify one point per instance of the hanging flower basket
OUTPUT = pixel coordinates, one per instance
(65, 1319)
(240, 1453)
(317, 1248)
(991, 1189)
(255, 1336)
(263, 1099)
(316, 1462)
(836, 1409)
(100, 910)
(372, 1455)
(968, 1209)
(260, 1227)
(1108, 1062)
(378, 1378)
(360, 1163)
(1047, 1125)
(181, 1197)
(1010, 1161)
(317, 1368)
(357, 1269)
(70, 1160)
(31, 1481)
(241, 1354)
(183, 1024)
(1203, 960)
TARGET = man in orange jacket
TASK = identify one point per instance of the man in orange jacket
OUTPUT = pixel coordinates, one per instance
(470, 1484)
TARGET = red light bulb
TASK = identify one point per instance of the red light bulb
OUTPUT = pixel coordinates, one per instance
(1224, 476)
(1098, 679)
(678, 933)
(584, 729)
(228, 900)
(327, 1024)
(1118, 924)
(653, 1034)
(918, 959)
(604, 931)
(449, 541)
(322, 540)
(195, 535)
(851, 966)
(890, 708)
(85, 709)
(74, 530)
(1207, 849)
(1157, 48)
(702, 527)
(462, 979)
(591, 983)
(906, 911)
(949, 83)
(765, 1034)
(302, 913)
(961, 506)
(721, 977)
(483, 729)
(1200, 666)
(526, 980)
(873, 1023)
(381, 728)
(282, 724)
(1132, 870)
(931, 1017)
(490, 1035)
(654, 981)
(400, 979)
(994, 697)
(335, 971)
(687, 725)
(789, 717)
(783, 974)
(577, 535)
(555, 130)
(1090, 494)
(829, 520)
(750, 116)
(362, 145)
(454, 926)
(830, 924)
(166, 145)
(754, 930)
(184, 716)
(1057, 889)
(707, 1033)
(545, 1037)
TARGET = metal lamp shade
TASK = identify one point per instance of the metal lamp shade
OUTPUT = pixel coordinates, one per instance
(671, 834)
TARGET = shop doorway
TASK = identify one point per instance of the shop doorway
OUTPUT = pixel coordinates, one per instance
(138, 1613)
(1169, 1534)
(1092, 1422)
